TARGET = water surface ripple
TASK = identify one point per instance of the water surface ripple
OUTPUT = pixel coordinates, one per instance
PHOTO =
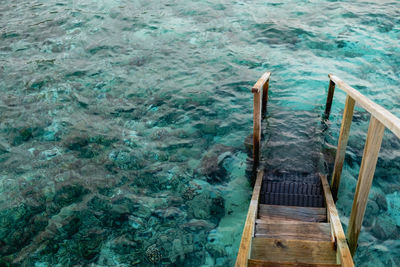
(122, 123)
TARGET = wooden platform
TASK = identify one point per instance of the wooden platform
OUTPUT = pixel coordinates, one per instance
(306, 233)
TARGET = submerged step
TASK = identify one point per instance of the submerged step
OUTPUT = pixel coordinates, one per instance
(292, 189)
(297, 231)
(279, 213)
(292, 176)
(296, 251)
(292, 199)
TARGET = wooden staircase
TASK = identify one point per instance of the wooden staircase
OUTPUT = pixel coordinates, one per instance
(291, 223)
(292, 218)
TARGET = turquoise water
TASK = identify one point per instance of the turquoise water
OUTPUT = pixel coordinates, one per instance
(122, 123)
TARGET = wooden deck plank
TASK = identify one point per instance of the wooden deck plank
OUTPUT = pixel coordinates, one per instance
(304, 231)
(261, 263)
(299, 251)
(267, 221)
(277, 212)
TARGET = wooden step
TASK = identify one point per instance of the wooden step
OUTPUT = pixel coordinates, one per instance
(291, 213)
(292, 199)
(298, 251)
(291, 187)
(261, 263)
(299, 231)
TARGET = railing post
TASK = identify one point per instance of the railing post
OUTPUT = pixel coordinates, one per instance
(329, 98)
(256, 126)
(342, 144)
(261, 87)
(265, 98)
(367, 169)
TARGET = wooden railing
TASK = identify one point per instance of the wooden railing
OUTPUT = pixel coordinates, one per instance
(380, 118)
(260, 91)
(248, 230)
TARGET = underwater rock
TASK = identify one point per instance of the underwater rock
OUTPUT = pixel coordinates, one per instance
(153, 254)
(380, 199)
(175, 200)
(190, 192)
(371, 211)
(217, 207)
(197, 225)
(4, 146)
(215, 250)
(37, 82)
(49, 154)
(76, 141)
(83, 101)
(23, 135)
(209, 128)
(212, 163)
(90, 243)
(18, 225)
(177, 251)
(385, 227)
(122, 245)
(99, 204)
(248, 144)
(128, 160)
(135, 222)
(170, 213)
(69, 194)
(207, 205)
(123, 108)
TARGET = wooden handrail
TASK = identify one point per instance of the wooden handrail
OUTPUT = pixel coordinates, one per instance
(248, 230)
(343, 252)
(383, 115)
(342, 144)
(261, 82)
(380, 118)
(260, 103)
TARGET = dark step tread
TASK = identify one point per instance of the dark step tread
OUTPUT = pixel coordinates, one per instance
(298, 251)
(277, 212)
(303, 231)
(292, 199)
(261, 263)
(290, 187)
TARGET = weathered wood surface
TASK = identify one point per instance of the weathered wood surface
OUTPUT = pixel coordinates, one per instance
(270, 249)
(260, 90)
(329, 98)
(377, 111)
(261, 263)
(367, 170)
(248, 230)
(303, 231)
(306, 214)
(343, 252)
(342, 144)
(260, 83)
(265, 98)
(268, 221)
(256, 127)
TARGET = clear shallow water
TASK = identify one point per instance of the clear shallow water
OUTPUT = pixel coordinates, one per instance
(122, 123)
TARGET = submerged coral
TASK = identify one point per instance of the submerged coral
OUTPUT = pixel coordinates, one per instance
(153, 254)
